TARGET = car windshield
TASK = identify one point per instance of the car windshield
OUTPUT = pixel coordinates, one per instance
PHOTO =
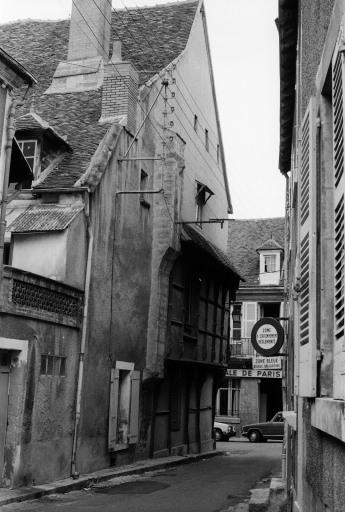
(278, 417)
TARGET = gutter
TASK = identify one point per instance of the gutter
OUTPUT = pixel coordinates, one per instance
(74, 472)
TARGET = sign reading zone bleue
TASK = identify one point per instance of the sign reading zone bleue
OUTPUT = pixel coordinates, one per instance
(267, 336)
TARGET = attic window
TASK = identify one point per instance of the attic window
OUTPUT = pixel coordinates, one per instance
(29, 150)
(270, 263)
(203, 194)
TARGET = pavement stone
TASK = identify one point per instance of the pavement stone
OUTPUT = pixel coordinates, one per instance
(21, 494)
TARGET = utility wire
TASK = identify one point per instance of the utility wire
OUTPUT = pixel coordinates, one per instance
(163, 140)
(141, 13)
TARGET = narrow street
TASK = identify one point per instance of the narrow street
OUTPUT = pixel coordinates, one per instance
(211, 485)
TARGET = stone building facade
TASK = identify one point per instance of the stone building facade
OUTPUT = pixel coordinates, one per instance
(123, 138)
(312, 159)
(252, 388)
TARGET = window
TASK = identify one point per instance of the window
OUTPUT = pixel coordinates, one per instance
(53, 365)
(29, 150)
(123, 406)
(228, 398)
(207, 144)
(196, 123)
(236, 324)
(270, 263)
(203, 194)
(143, 187)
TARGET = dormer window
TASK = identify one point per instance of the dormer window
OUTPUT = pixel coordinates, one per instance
(270, 262)
(29, 150)
(271, 258)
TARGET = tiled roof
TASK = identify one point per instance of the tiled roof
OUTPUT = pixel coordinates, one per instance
(245, 236)
(151, 37)
(43, 218)
(269, 245)
(191, 235)
(32, 121)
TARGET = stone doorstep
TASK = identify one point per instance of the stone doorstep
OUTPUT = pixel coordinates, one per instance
(21, 494)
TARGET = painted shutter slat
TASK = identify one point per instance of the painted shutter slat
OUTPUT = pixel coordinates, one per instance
(134, 408)
(113, 408)
(338, 163)
(307, 254)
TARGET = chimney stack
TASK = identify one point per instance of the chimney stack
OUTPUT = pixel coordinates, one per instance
(88, 48)
(120, 91)
(89, 34)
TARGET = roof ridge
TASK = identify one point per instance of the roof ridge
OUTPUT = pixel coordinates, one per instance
(36, 20)
(165, 4)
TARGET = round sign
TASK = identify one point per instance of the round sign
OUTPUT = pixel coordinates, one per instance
(267, 336)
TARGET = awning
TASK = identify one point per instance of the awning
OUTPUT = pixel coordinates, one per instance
(288, 28)
(44, 218)
(195, 242)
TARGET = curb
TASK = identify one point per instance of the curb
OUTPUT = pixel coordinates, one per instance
(19, 495)
(268, 499)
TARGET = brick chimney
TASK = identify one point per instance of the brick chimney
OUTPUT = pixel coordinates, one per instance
(89, 34)
(120, 91)
(88, 48)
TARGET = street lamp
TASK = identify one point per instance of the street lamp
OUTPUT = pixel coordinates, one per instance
(236, 314)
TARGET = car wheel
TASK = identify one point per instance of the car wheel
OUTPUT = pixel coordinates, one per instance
(254, 436)
(218, 434)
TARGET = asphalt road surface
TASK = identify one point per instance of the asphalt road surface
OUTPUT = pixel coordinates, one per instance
(210, 485)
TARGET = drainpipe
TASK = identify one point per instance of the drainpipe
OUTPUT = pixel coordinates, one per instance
(285, 361)
(74, 472)
(10, 131)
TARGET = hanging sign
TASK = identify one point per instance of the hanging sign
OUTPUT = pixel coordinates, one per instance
(258, 374)
(266, 363)
(267, 337)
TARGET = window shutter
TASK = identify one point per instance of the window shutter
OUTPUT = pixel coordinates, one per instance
(133, 433)
(338, 159)
(249, 318)
(113, 407)
(307, 253)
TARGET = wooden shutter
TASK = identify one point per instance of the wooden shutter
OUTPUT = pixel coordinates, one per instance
(338, 159)
(133, 432)
(249, 318)
(113, 407)
(307, 253)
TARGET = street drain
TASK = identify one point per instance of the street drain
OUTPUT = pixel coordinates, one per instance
(138, 487)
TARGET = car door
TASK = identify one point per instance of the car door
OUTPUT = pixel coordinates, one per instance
(277, 426)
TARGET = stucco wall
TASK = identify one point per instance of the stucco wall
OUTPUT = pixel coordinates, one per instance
(249, 405)
(314, 20)
(324, 470)
(41, 407)
(28, 255)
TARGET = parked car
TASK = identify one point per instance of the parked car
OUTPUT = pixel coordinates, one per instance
(223, 431)
(273, 429)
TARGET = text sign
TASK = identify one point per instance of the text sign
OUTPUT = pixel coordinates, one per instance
(267, 363)
(261, 374)
(267, 336)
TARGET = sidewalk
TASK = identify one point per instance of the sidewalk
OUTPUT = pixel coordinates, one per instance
(69, 484)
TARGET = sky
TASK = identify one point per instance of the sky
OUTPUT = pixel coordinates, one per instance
(244, 47)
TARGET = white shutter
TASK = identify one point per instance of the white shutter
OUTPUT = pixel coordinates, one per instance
(338, 158)
(249, 318)
(307, 253)
(113, 408)
(133, 433)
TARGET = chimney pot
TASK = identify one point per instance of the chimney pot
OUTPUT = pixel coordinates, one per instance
(117, 51)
